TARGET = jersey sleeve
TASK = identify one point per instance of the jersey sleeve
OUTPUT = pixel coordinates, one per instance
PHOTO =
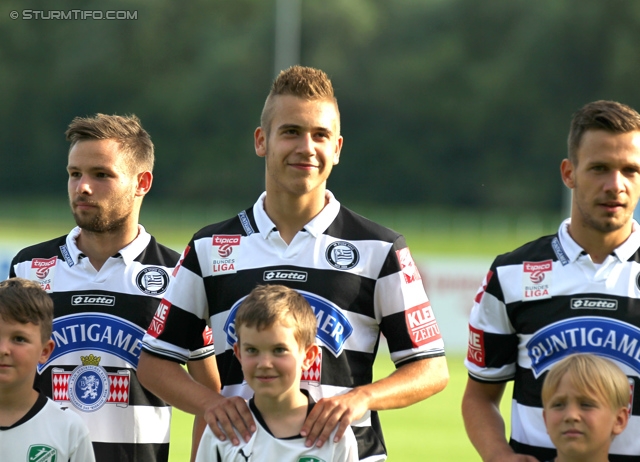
(178, 331)
(493, 342)
(401, 303)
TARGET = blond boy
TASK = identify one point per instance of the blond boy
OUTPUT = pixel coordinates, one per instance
(585, 402)
(32, 427)
(276, 330)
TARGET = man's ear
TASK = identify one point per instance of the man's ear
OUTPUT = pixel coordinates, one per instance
(336, 154)
(310, 356)
(236, 350)
(567, 170)
(260, 142)
(144, 183)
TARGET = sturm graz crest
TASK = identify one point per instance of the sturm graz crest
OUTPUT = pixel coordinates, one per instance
(152, 280)
(342, 255)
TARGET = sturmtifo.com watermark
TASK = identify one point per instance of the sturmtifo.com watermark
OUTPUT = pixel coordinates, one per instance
(70, 15)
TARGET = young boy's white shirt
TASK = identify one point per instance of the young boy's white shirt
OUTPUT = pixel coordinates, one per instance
(263, 446)
(47, 433)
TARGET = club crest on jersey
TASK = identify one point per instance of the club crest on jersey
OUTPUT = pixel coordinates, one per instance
(408, 267)
(152, 280)
(226, 247)
(89, 387)
(342, 255)
(536, 280)
(333, 326)
(606, 337)
(42, 453)
(43, 271)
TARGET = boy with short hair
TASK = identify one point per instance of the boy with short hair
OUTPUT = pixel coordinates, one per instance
(585, 402)
(276, 329)
(32, 427)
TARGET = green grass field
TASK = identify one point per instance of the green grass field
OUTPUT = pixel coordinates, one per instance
(431, 430)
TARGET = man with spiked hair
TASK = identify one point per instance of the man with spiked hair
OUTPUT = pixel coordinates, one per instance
(358, 276)
(106, 279)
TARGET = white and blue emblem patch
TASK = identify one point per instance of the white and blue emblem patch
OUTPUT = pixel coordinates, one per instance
(88, 388)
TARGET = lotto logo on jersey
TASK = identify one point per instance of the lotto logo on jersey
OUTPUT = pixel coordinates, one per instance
(536, 280)
(475, 351)
(422, 324)
(408, 266)
(159, 319)
(43, 271)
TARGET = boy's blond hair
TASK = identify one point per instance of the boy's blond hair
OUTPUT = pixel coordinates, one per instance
(590, 375)
(268, 304)
(24, 301)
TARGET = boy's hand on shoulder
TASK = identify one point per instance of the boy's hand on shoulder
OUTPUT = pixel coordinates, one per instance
(328, 413)
(229, 413)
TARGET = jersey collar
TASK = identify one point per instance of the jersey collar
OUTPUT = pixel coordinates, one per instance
(128, 253)
(315, 227)
(623, 252)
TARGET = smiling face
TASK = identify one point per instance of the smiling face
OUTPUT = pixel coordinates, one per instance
(581, 427)
(301, 146)
(21, 349)
(103, 190)
(272, 361)
(605, 182)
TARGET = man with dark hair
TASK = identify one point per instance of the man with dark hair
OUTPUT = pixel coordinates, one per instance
(357, 275)
(106, 279)
(573, 292)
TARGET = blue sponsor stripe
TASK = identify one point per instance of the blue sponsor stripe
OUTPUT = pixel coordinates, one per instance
(333, 326)
(611, 338)
(96, 332)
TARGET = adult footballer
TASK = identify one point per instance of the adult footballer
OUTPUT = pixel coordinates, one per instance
(106, 278)
(358, 276)
(576, 291)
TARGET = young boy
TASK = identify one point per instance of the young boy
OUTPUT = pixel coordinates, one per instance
(585, 401)
(276, 329)
(32, 427)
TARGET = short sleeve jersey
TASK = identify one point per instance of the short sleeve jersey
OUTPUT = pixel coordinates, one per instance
(358, 276)
(47, 433)
(547, 300)
(100, 318)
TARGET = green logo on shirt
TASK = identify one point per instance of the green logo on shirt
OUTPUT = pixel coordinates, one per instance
(310, 459)
(42, 453)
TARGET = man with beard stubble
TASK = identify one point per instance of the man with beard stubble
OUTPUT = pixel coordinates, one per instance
(106, 278)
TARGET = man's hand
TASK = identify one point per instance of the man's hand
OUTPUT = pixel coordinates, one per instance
(227, 414)
(328, 413)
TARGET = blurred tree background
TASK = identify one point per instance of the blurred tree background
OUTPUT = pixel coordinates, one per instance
(446, 103)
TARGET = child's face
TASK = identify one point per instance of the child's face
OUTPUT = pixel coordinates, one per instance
(21, 349)
(579, 425)
(272, 361)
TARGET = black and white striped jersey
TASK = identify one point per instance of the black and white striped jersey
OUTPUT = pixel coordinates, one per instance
(547, 300)
(100, 318)
(358, 276)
